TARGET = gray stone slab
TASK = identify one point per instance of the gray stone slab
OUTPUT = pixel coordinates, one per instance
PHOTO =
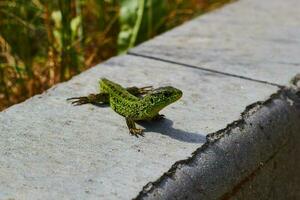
(253, 158)
(50, 149)
(251, 38)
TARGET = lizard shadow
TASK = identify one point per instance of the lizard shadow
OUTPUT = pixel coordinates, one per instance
(100, 105)
(165, 127)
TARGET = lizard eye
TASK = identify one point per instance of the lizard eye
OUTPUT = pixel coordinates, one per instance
(151, 100)
(168, 94)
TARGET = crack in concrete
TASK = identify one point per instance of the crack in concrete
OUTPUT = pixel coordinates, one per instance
(205, 69)
(252, 175)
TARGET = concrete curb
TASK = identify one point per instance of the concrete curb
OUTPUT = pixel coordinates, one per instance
(223, 61)
(252, 158)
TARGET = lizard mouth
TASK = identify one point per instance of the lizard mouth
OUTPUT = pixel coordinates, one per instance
(180, 93)
(176, 93)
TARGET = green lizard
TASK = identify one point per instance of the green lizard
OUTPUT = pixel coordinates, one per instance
(133, 103)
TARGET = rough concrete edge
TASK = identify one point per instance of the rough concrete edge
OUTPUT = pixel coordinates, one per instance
(291, 97)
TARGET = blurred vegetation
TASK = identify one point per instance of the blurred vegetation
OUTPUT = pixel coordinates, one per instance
(44, 42)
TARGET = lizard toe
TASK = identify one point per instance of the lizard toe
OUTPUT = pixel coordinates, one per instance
(136, 132)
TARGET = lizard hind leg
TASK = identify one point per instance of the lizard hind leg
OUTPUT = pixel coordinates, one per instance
(102, 98)
(132, 128)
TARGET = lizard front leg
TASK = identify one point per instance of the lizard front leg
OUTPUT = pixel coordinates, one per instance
(132, 128)
(158, 117)
(139, 91)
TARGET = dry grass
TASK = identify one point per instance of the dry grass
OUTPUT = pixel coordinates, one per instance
(45, 42)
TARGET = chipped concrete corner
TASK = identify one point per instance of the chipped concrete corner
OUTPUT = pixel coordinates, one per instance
(255, 157)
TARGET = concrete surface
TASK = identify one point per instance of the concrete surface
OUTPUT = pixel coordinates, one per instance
(250, 38)
(229, 147)
(255, 157)
(51, 149)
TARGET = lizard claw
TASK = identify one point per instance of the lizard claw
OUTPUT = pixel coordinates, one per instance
(146, 89)
(76, 101)
(136, 132)
(158, 117)
(91, 98)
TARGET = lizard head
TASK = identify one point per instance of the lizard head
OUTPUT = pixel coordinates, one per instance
(164, 96)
